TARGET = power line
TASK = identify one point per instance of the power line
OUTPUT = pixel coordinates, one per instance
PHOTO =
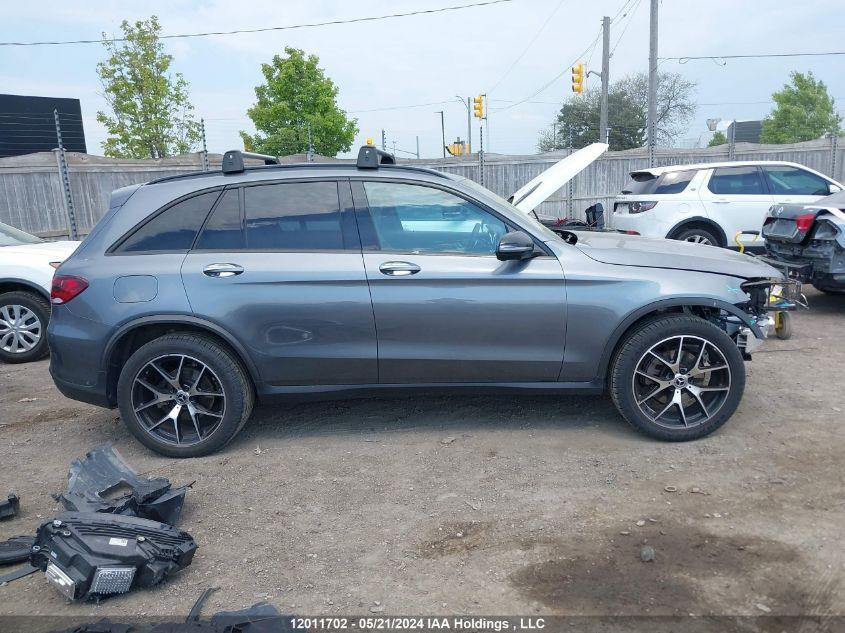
(372, 18)
(684, 60)
(630, 15)
(528, 47)
(553, 79)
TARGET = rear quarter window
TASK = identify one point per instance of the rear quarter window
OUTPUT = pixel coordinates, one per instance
(174, 229)
(644, 183)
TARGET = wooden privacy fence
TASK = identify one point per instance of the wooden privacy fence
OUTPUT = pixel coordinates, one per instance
(32, 196)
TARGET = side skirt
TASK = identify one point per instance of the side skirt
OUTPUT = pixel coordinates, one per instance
(269, 393)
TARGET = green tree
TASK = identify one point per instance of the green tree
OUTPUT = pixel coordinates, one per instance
(152, 116)
(804, 110)
(719, 138)
(296, 98)
(627, 105)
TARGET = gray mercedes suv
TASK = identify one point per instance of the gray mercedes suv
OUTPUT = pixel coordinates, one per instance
(197, 295)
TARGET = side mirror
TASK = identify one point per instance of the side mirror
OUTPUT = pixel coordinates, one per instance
(834, 188)
(515, 245)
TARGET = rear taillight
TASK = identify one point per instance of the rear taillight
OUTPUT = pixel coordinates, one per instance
(804, 222)
(639, 207)
(66, 287)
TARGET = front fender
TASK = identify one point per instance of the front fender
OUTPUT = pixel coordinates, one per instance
(663, 304)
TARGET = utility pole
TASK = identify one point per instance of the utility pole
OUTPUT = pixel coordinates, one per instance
(605, 77)
(481, 152)
(652, 83)
(442, 132)
(418, 147)
(487, 120)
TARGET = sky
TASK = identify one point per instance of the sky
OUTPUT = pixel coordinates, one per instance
(510, 51)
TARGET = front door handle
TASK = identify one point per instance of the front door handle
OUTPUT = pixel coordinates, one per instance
(399, 269)
(222, 270)
(721, 201)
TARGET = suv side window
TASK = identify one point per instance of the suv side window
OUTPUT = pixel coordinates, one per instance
(419, 219)
(174, 229)
(224, 229)
(674, 181)
(785, 180)
(736, 181)
(298, 216)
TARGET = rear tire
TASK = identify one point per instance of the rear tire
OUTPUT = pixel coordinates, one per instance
(23, 326)
(698, 236)
(184, 395)
(643, 386)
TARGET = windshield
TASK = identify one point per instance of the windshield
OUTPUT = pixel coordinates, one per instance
(531, 218)
(10, 236)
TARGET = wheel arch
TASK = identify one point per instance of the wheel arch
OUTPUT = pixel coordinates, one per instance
(660, 308)
(702, 222)
(136, 333)
(13, 284)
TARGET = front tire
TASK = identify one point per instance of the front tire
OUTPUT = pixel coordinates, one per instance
(23, 327)
(677, 378)
(184, 395)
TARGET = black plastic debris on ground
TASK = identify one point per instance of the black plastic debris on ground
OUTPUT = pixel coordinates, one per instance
(259, 618)
(10, 507)
(15, 549)
(104, 482)
(94, 555)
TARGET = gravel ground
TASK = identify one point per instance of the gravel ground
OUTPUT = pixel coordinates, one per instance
(482, 505)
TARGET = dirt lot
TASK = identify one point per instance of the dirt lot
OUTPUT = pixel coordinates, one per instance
(483, 505)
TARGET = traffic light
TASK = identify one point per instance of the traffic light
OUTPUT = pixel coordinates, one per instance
(478, 107)
(578, 79)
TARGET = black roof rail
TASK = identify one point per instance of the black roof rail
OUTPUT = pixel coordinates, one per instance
(233, 160)
(370, 157)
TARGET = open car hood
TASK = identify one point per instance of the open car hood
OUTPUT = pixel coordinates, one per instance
(634, 250)
(539, 189)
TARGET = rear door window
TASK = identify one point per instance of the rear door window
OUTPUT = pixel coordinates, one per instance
(736, 181)
(224, 229)
(174, 229)
(293, 216)
(785, 180)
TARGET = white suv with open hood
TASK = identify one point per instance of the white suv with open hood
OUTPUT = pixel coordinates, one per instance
(710, 203)
(27, 264)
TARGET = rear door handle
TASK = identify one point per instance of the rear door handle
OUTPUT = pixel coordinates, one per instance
(721, 201)
(399, 269)
(222, 270)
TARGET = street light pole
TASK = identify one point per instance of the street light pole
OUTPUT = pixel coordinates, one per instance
(469, 121)
(442, 132)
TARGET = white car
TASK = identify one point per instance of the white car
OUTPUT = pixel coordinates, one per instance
(710, 203)
(27, 264)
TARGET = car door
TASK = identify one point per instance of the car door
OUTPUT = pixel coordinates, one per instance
(793, 185)
(737, 200)
(446, 309)
(279, 266)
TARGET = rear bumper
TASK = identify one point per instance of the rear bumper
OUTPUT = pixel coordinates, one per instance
(645, 223)
(96, 394)
(76, 356)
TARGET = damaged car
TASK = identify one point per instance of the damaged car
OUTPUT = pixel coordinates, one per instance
(809, 239)
(197, 295)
